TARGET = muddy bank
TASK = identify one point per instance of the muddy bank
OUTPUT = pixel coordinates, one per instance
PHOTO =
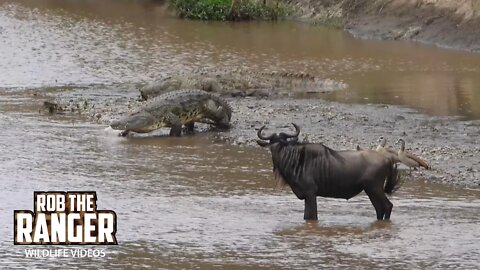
(447, 23)
(449, 145)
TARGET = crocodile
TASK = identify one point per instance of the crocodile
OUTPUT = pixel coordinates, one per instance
(239, 80)
(176, 83)
(174, 109)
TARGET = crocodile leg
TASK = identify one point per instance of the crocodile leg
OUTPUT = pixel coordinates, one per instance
(175, 124)
(190, 127)
(223, 119)
(124, 133)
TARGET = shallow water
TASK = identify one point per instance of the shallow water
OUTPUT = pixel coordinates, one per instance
(192, 201)
(57, 42)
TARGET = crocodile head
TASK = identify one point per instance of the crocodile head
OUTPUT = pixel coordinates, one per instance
(224, 123)
(219, 112)
(141, 122)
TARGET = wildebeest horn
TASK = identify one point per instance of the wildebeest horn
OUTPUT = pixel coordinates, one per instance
(259, 134)
(297, 132)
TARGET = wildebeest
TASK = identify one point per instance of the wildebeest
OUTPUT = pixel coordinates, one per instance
(313, 169)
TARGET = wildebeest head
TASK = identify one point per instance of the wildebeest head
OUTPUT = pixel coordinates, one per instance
(282, 138)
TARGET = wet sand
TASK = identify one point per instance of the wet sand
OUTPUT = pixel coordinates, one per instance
(450, 146)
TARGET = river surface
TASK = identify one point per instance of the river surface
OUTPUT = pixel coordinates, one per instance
(192, 201)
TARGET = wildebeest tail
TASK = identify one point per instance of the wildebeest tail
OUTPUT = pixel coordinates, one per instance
(393, 182)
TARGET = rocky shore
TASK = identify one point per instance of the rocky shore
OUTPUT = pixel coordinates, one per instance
(451, 147)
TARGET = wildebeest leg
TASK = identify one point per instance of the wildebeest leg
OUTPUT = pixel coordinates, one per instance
(388, 207)
(375, 195)
(310, 212)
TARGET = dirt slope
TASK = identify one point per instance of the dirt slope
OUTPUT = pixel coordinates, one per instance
(445, 23)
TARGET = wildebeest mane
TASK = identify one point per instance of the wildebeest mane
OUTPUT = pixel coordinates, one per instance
(293, 161)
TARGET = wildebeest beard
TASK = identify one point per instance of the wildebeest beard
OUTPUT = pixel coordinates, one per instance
(295, 163)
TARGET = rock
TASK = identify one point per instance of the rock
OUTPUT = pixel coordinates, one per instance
(411, 32)
(241, 140)
(52, 107)
(258, 93)
(238, 93)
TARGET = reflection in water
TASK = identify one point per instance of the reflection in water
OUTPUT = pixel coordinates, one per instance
(436, 93)
(52, 42)
(314, 227)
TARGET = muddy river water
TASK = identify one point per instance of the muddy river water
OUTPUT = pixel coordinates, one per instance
(192, 201)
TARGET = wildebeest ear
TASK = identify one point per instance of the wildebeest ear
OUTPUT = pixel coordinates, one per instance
(262, 143)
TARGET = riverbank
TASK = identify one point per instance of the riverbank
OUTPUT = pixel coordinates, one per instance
(448, 23)
(138, 52)
(450, 146)
(227, 10)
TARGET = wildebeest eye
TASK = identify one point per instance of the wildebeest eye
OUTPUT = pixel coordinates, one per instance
(294, 139)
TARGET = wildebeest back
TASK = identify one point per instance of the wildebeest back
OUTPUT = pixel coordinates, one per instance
(316, 168)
